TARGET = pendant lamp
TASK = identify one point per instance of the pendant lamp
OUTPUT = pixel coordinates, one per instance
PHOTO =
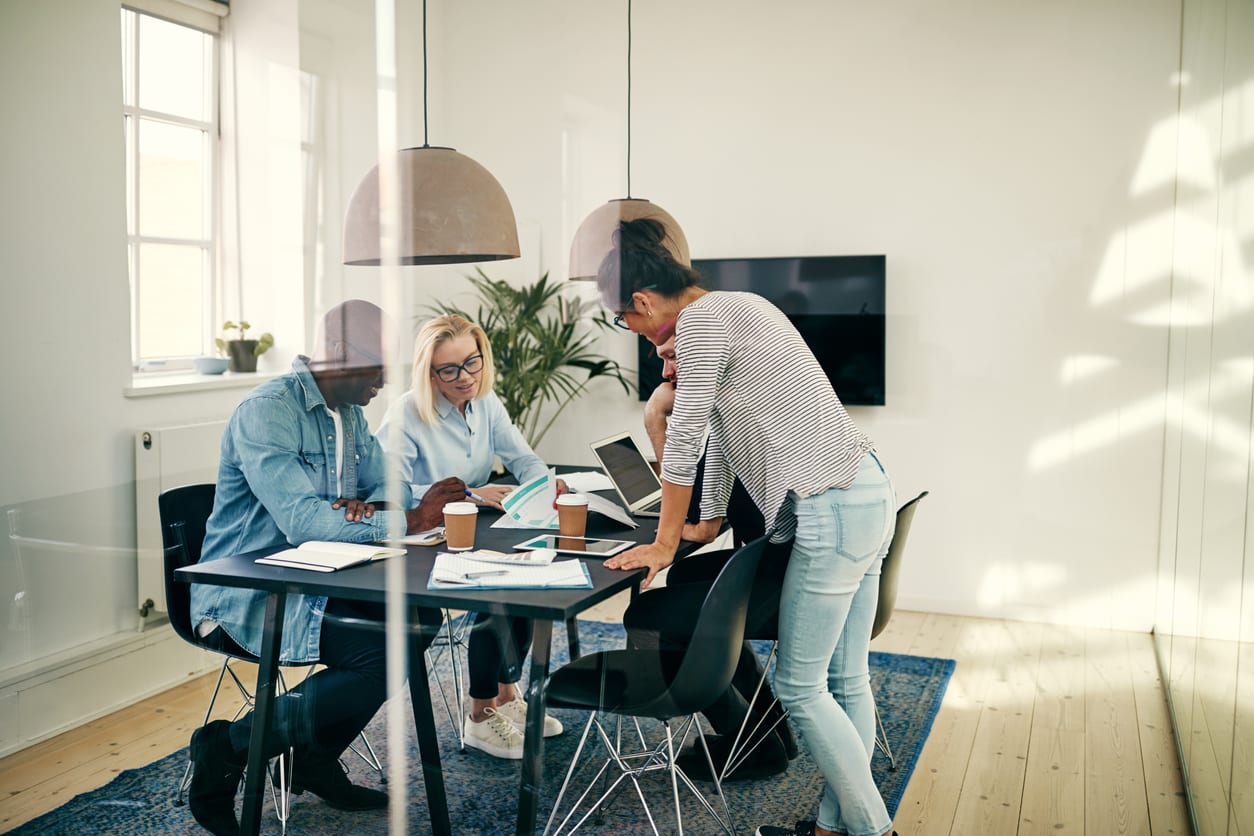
(594, 238)
(452, 210)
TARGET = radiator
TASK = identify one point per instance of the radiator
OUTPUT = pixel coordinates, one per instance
(166, 457)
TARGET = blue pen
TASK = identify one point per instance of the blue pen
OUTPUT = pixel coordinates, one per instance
(476, 497)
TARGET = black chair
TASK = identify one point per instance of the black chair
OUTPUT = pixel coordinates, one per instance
(747, 739)
(663, 685)
(184, 512)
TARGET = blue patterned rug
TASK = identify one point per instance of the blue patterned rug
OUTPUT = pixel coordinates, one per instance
(483, 791)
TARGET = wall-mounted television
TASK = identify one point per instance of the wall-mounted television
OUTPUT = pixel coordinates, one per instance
(836, 302)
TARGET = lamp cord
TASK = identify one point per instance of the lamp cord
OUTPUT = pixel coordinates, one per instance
(425, 143)
(628, 99)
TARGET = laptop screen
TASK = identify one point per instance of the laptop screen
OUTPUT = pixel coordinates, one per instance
(628, 468)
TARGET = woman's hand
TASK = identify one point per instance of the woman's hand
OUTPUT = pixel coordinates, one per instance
(493, 495)
(704, 531)
(354, 509)
(655, 557)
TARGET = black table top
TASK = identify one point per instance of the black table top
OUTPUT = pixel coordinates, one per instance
(368, 582)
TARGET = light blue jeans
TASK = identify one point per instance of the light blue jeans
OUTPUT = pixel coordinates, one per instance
(826, 612)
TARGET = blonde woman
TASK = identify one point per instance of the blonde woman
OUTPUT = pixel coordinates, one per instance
(451, 423)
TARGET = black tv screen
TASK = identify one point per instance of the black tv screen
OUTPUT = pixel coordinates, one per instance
(836, 302)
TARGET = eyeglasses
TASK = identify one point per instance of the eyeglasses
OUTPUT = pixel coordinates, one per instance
(451, 371)
(621, 315)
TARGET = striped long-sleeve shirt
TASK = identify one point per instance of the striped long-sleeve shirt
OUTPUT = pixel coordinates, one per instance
(772, 414)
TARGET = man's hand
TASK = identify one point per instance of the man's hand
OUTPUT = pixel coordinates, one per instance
(655, 557)
(430, 511)
(354, 509)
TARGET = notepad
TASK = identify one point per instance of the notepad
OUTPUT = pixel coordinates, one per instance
(322, 556)
(535, 557)
(453, 571)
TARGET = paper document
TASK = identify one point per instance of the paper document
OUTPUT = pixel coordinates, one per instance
(588, 480)
(535, 557)
(455, 571)
(609, 508)
(323, 556)
(531, 506)
(430, 537)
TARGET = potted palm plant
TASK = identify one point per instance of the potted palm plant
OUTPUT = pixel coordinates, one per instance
(543, 348)
(242, 350)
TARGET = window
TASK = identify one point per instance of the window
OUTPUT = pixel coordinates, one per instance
(169, 113)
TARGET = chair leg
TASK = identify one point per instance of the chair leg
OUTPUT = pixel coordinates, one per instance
(631, 765)
(452, 635)
(881, 741)
(361, 748)
(748, 739)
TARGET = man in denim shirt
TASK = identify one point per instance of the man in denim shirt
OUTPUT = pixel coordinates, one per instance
(299, 463)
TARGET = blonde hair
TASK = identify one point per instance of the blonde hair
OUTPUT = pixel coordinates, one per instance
(430, 336)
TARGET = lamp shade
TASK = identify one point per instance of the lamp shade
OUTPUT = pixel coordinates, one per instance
(595, 237)
(452, 210)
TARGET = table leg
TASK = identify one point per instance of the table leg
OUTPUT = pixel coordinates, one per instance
(267, 676)
(424, 728)
(533, 746)
(572, 637)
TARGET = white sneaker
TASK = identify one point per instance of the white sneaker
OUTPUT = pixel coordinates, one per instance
(495, 735)
(516, 711)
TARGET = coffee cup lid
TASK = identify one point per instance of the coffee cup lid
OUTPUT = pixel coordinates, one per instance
(460, 508)
(572, 499)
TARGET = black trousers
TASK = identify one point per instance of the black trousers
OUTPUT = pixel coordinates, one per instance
(665, 618)
(325, 712)
(498, 645)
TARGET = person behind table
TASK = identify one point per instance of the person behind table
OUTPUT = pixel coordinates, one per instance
(451, 422)
(666, 617)
(298, 463)
(781, 429)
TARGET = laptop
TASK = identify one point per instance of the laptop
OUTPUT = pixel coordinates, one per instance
(633, 477)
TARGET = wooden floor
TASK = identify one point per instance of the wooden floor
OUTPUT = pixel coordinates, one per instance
(1043, 730)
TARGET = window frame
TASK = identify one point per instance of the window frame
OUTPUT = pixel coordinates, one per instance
(210, 246)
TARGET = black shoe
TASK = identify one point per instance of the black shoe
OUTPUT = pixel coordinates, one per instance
(769, 758)
(801, 828)
(215, 779)
(328, 779)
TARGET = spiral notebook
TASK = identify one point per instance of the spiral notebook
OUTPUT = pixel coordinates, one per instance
(453, 571)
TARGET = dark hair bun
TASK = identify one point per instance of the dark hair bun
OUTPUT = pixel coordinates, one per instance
(640, 260)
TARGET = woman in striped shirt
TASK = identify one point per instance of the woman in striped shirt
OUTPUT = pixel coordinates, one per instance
(776, 424)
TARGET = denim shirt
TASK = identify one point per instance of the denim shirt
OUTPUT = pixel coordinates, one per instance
(276, 482)
(455, 445)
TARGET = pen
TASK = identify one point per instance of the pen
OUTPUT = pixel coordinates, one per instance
(470, 575)
(476, 497)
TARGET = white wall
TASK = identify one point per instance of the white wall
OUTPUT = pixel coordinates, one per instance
(1006, 157)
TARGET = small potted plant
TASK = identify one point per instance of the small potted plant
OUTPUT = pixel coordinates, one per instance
(242, 351)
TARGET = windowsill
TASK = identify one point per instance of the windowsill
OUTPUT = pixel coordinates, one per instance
(169, 383)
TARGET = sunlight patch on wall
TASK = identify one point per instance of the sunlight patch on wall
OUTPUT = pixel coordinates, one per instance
(1096, 432)
(1080, 367)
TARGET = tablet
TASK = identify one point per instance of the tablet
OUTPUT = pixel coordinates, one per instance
(577, 545)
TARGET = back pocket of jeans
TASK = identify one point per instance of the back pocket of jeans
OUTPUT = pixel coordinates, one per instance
(860, 528)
